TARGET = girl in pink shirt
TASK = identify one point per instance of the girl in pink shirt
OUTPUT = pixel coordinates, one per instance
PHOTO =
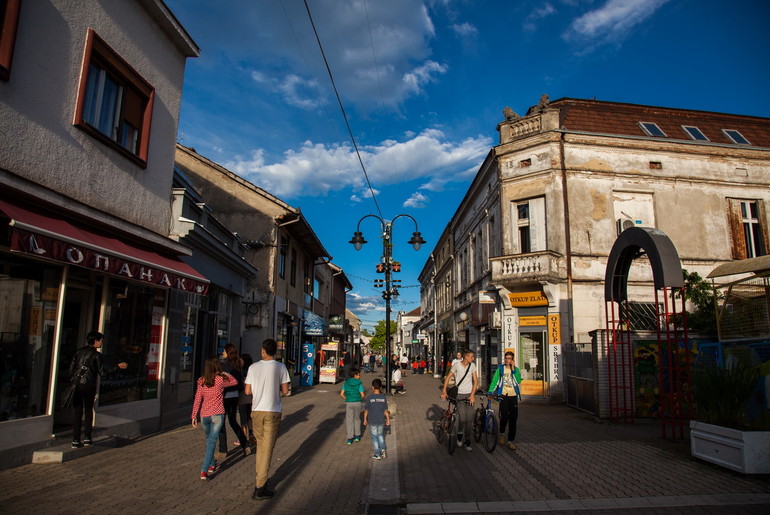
(209, 406)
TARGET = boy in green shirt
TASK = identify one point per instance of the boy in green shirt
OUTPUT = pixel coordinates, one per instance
(353, 393)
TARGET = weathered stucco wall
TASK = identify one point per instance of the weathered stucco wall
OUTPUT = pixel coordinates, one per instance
(39, 102)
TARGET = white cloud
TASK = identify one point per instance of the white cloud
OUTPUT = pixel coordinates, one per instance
(464, 29)
(417, 200)
(610, 23)
(316, 169)
(295, 90)
(530, 22)
(361, 305)
(415, 79)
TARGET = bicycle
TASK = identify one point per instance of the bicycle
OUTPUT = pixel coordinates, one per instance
(485, 422)
(448, 425)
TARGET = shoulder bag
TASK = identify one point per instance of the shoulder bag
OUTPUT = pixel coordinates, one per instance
(68, 396)
(453, 391)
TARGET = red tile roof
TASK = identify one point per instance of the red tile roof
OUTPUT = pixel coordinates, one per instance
(618, 118)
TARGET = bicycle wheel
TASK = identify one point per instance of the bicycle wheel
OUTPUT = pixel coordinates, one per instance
(491, 432)
(452, 436)
(478, 424)
(438, 428)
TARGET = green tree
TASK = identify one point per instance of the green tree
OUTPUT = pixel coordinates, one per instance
(378, 340)
(366, 332)
(700, 293)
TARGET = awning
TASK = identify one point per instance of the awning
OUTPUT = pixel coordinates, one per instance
(742, 266)
(68, 242)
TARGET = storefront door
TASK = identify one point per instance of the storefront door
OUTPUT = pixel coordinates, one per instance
(75, 327)
(532, 361)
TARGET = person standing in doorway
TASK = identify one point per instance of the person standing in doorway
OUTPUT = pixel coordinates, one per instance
(506, 382)
(467, 384)
(87, 365)
(266, 381)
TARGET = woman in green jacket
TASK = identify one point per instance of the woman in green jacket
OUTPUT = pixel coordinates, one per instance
(505, 382)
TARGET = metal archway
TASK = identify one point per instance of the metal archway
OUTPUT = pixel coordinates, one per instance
(623, 349)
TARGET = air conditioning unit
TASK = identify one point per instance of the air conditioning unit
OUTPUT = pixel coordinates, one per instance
(623, 224)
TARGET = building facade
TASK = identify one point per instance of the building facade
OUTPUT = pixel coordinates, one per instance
(570, 175)
(297, 290)
(89, 103)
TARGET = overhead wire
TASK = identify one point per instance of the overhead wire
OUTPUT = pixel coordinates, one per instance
(342, 108)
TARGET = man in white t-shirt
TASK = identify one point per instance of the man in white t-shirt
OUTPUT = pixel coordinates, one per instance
(267, 381)
(467, 381)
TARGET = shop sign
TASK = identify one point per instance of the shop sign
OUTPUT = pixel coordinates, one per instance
(50, 248)
(509, 332)
(531, 321)
(529, 387)
(554, 329)
(336, 324)
(487, 297)
(527, 299)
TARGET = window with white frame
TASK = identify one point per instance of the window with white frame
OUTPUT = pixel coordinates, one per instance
(736, 137)
(528, 223)
(114, 101)
(747, 229)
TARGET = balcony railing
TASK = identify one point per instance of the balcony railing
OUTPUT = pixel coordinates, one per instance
(535, 266)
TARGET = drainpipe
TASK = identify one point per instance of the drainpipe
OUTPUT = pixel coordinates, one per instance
(567, 240)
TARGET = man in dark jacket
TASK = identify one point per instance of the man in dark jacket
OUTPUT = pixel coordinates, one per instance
(87, 365)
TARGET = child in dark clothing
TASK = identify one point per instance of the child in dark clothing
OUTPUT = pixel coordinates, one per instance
(353, 393)
(377, 416)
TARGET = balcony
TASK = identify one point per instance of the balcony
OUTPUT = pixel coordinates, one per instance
(525, 268)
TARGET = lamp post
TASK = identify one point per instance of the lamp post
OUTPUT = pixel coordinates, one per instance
(387, 267)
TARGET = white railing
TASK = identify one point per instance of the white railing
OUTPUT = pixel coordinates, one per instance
(526, 267)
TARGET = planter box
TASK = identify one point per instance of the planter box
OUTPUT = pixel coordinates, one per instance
(743, 451)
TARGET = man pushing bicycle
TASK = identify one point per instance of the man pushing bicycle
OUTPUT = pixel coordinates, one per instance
(466, 383)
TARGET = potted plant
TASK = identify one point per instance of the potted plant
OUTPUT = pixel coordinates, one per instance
(721, 434)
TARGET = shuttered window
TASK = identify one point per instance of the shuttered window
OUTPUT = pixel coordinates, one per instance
(528, 223)
(749, 235)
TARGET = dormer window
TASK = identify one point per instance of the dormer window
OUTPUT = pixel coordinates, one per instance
(695, 133)
(652, 129)
(736, 137)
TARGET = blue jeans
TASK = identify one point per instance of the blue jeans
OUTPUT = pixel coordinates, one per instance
(377, 432)
(211, 426)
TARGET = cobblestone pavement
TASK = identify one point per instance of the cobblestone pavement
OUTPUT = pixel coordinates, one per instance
(567, 462)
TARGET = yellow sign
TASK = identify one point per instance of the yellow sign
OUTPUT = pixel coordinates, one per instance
(554, 329)
(530, 321)
(527, 298)
(529, 387)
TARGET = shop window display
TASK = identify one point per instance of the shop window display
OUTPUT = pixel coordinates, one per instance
(133, 328)
(28, 295)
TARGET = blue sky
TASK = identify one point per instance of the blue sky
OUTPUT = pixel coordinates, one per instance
(423, 83)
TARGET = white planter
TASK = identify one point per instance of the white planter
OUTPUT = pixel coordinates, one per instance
(743, 451)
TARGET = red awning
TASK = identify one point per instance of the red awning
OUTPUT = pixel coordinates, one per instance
(71, 242)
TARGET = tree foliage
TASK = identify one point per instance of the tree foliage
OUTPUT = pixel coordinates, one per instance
(701, 295)
(377, 343)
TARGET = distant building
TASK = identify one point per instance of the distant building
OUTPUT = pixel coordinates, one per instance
(298, 292)
(532, 235)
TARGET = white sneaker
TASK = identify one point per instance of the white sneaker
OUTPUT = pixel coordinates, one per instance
(468, 445)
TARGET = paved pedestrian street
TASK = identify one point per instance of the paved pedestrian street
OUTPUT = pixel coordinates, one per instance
(566, 462)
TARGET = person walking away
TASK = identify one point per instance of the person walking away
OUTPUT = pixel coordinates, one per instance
(244, 403)
(404, 362)
(506, 382)
(87, 365)
(209, 406)
(423, 364)
(233, 364)
(372, 362)
(466, 389)
(267, 381)
(377, 416)
(415, 366)
(353, 393)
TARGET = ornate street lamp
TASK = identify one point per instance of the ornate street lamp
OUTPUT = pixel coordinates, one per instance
(387, 266)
